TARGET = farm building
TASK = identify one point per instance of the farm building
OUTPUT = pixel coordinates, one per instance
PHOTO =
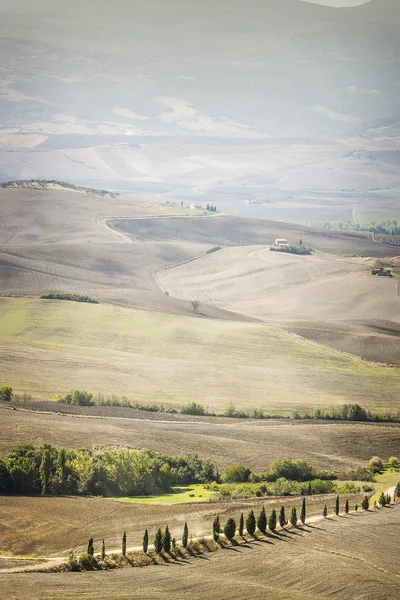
(281, 242)
(382, 272)
(195, 206)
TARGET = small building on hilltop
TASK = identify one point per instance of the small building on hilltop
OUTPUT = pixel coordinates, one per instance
(281, 243)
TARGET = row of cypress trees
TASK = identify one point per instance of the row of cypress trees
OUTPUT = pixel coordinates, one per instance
(163, 540)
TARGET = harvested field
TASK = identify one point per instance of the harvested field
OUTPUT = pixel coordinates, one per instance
(326, 298)
(153, 357)
(55, 526)
(234, 231)
(346, 558)
(324, 444)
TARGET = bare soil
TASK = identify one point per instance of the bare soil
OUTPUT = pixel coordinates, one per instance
(346, 558)
(254, 443)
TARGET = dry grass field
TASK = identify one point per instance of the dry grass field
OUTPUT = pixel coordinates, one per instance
(326, 445)
(322, 297)
(155, 357)
(347, 558)
(235, 231)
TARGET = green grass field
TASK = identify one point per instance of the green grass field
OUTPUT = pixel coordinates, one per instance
(190, 493)
(51, 346)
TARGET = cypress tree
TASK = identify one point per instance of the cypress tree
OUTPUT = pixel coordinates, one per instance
(251, 523)
(365, 503)
(397, 491)
(62, 470)
(145, 541)
(185, 537)
(262, 521)
(230, 529)
(90, 547)
(303, 512)
(241, 525)
(347, 507)
(158, 541)
(356, 507)
(167, 540)
(309, 488)
(293, 517)
(382, 499)
(282, 518)
(45, 472)
(103, 550)
(173, 543)
(124, 544)
(216, 528)
(337, 506)
(272, 521)
(325, 512)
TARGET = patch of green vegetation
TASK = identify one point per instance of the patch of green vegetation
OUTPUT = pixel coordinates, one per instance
(72, 297)
(301, 250)
(182, 494)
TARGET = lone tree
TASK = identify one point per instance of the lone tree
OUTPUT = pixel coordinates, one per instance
(145, 541)
(241, 525)
(325, 512)
(337, 506)
(356, 507)
(262, 521)
(216, 528)
(195, 305)
(158, 541)
(230, 529)
(251, 523)
(124, 544)
(365, 503)
(303, 512)
(167, 540)
(382, 499)
(282, 517)
(347, 507)
(272, 521)
(103, 550)
(293, 517)
(185, 537)
(90, 547)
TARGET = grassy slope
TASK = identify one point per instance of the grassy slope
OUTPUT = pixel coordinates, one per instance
(157, 357)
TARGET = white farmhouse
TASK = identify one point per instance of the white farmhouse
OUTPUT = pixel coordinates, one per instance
(281, 243)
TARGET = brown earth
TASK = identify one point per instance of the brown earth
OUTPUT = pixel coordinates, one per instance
(348, 558)
(327, 445)
(55, 526)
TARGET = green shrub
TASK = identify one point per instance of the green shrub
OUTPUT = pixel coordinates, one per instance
(71, 297)
(6, 393)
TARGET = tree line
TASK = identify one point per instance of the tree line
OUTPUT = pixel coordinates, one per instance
(48, 470)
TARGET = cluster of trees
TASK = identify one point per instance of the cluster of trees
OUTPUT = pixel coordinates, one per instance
(6, 393)
(76, 397)
(64, 184)
(69, 296)
(211, 208)
(302, 250)
(389, 227)
(48, 470)
(282, 468)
